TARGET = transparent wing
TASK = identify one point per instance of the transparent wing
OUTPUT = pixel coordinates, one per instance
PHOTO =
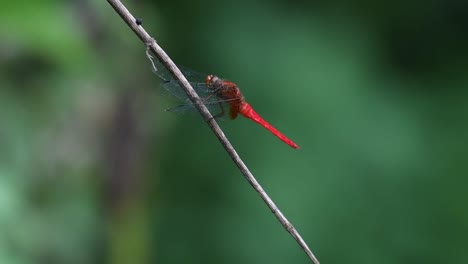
(216, 105)
(217, 108)
(206, 93)
(165, 75)
(173, 88)
(196, 79)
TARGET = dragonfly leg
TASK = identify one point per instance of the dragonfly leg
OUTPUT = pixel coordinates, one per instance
(221, 113)
(204, 100)
(218, 115)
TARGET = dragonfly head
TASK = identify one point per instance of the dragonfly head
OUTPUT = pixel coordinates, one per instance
(211, 79)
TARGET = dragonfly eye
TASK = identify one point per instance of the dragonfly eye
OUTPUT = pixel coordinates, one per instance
(209, 78)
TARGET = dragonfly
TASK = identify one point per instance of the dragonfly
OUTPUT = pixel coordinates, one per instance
(216, 93)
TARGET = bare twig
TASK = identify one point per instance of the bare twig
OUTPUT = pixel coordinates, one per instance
(172, 68)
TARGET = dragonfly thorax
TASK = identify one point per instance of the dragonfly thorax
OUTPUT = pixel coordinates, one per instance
(225, 90)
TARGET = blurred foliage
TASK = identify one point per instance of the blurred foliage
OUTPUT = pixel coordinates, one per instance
(92, 170)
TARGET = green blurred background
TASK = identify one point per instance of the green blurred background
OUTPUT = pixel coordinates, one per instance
(92, 170)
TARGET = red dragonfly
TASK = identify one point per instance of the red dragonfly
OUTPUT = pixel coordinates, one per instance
(216, 93)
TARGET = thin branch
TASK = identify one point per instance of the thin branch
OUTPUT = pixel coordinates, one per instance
(172, 68)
